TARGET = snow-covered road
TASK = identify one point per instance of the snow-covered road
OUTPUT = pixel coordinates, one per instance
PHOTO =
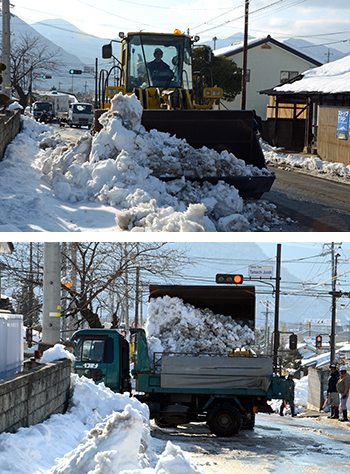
(277, 445)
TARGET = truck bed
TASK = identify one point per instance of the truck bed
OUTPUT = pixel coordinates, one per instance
(216, 372)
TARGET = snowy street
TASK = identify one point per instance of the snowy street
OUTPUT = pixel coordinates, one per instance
(64, 180)
(277, 444)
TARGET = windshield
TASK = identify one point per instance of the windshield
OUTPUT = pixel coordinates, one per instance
(95, 350)
(42, 106)
(82, 109)
(159, 61)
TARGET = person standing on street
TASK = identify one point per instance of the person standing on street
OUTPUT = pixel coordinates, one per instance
(343, 387)
(333, 396)
(288, 395)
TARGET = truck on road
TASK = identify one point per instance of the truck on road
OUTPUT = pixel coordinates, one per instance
(80, 114)
(223, 390)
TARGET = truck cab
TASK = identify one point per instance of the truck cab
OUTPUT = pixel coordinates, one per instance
(103, 356)
(80, 114)
(40, 106)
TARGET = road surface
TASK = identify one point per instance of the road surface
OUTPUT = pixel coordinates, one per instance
(315, 204)
(277, 445)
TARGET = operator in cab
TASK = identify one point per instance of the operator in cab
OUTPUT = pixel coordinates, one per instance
(158, 64)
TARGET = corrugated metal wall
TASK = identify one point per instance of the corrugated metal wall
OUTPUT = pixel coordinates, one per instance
(11, 344)
(329, 147)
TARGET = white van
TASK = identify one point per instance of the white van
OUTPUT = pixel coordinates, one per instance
(80, 114)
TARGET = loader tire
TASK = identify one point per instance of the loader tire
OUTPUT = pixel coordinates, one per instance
(224, 420)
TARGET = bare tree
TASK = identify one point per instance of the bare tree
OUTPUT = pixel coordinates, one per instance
(96, 272)
(102, 267)
(30, 59)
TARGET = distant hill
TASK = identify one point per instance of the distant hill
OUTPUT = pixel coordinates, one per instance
(84, 46)
(321, 53)
(64, 37)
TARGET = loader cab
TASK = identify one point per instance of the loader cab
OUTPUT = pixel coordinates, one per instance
(156, 60)
(103, 356)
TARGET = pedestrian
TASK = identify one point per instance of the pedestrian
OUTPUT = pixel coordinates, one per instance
(333, 396)
(288, 395)
(343, 387)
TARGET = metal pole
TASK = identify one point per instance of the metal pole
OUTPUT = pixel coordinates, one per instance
(52, 293)
(277, 305)
(137, 297)
(245, 56)
(334, 303)
(6, 47)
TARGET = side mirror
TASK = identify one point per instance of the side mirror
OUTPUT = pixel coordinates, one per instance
(106, 51)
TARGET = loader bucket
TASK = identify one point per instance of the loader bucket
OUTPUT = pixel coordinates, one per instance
(230, 130)
(220, 130)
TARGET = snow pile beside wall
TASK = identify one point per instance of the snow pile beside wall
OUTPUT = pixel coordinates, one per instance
(174, 326)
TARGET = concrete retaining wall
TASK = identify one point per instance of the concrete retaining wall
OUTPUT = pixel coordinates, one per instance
(31, 397)
(10, 124)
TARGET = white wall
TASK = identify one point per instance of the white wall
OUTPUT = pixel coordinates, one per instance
(11, 344)
(265, 68)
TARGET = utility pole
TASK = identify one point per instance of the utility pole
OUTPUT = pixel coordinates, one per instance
(267, 327)
(52, 293)
(245, 56)
(6, 48)
(277, 306)
(334, 294)
(137, 297)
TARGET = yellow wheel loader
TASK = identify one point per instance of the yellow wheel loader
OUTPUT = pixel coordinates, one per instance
(157, 67)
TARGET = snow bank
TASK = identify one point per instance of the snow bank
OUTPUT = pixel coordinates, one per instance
(313, 164)
(102, 432)
(175, 326)
(56, 352)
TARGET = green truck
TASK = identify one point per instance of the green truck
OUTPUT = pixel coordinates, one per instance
(225, 391)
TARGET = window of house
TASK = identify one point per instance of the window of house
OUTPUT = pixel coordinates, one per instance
(286, 76)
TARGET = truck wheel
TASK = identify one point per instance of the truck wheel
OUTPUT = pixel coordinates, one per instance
(224, 420)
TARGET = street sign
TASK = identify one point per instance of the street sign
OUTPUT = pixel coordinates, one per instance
(260, 271)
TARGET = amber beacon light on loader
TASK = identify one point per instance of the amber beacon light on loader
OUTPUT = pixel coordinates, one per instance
(176, 98)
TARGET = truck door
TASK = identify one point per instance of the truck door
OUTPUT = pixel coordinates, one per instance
(94, 359)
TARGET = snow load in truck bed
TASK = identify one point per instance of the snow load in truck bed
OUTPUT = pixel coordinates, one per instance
(174, 326)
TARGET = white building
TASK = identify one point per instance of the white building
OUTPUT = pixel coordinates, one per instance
(269, 63)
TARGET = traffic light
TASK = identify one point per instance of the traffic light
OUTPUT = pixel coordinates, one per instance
(75, 71)
(29, 336)
(229, 279)
(319, 341)
(293, 342)
(46, 76)
(2, 68)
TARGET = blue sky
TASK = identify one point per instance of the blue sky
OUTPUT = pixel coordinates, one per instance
(319, 21)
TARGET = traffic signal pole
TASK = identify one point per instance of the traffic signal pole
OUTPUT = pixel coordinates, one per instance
(277, 307)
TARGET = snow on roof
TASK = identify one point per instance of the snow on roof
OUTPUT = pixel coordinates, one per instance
(330, 78)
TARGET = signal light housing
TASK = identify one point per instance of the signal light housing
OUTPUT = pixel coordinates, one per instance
(229, 279)
(75, 71)
(319, 341)
(293, 342)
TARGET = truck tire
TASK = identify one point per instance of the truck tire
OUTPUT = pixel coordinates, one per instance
(224, 420)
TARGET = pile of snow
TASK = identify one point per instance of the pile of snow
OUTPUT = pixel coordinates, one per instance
(102, 432)
(57, 352)
(175, 326)
(56, 187)
(312, 164)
